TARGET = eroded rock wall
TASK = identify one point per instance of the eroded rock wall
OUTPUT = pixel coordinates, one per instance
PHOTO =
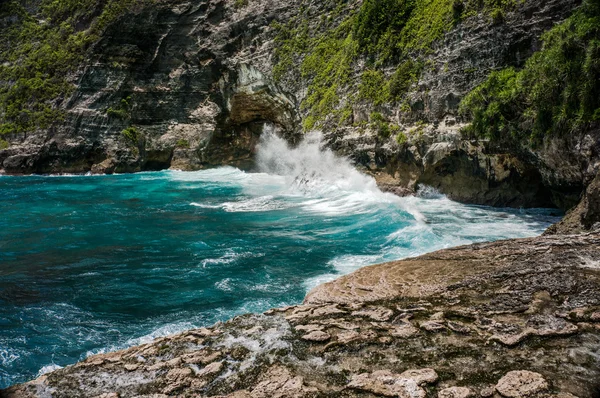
(180, 76)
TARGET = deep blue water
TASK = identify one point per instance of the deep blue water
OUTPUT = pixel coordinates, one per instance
(91, 264)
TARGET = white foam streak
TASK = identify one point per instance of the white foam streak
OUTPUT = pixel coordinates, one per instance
(262, 203)
(7, 356)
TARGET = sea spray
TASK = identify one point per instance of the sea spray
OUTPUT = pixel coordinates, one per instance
(312, 169)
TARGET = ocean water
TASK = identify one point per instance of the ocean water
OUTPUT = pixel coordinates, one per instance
(90, 264)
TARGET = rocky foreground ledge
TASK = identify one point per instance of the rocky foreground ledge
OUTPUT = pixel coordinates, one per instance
(519, 318)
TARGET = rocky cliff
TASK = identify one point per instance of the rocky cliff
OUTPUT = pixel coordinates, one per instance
(189, 85)
(515, 319)
(167, 86)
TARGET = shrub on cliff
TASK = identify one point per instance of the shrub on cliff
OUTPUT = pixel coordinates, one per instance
(557, 92)
(373, 54)
(379, 22)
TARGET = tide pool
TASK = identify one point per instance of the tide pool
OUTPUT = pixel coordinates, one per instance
(90, 264)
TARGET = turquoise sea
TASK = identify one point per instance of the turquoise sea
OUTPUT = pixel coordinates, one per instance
(90, 264)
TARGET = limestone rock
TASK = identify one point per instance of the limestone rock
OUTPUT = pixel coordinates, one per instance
(521, 383)
(432, 326)
(487, 391)
(309, 328)
(279, 382)
(404, 330)
(105, 167)
(316, 336)
(210, 369)
(421, 376)
(376, 313)
(584, 217)
(386, 383)
(455, 392)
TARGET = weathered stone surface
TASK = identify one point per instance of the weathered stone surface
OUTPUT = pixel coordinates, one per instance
(386, 383)
(316, 336)
(404, 330)
(521, 383)
(586, 216)
(421, 376)
(432, 326)
(280, 382)
(434, 273)
(375, 313)
(455, 392)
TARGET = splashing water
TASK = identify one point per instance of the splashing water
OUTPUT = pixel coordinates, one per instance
(92, 264)
(311, 169)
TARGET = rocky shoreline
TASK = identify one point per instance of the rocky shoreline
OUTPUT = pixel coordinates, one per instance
(517, 318)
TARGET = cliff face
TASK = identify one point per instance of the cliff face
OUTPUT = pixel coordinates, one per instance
(585, 216)
(189, 85)
(169, 86)
(507, 319)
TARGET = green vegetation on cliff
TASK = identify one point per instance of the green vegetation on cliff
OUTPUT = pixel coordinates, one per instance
(42, 45)
(557, 92)
(390, 36)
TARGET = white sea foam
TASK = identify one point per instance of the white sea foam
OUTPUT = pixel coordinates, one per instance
(230, 256)
(343, 265)
(329, 184)
(207, 206)
(262, 203)
(261, 339)
(308, 176)
(318, 280)
(427, 192)
(349, 263)
(163, 331)
(7, 356)
(309, 169)
(224, 285)
(48, 368)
